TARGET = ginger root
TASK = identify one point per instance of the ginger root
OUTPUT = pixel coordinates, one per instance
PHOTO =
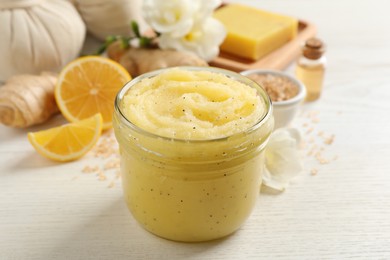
(141, 60)
(27, 100)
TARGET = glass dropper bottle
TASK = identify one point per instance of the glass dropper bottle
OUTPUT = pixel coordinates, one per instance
(310, 68)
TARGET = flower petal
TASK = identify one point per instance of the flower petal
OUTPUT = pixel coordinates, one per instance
(283, 160)
(204, 39)
(175, 16)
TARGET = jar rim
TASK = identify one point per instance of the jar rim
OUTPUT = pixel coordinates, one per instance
(236, 76)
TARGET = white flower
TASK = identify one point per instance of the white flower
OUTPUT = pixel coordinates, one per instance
(170, 16)
(203, 39)
(186, 25)
(283, 161)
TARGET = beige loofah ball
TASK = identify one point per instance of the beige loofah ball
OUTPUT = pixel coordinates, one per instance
(38, 35)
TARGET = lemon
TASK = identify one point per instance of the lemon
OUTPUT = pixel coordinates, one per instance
(67, 142)
(87, 86)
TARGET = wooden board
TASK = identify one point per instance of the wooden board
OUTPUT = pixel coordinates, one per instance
(278, 59)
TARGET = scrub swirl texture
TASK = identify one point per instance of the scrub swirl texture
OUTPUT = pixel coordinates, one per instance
(193, 105)
(191, 142)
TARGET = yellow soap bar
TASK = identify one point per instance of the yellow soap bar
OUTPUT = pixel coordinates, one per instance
(253, 33)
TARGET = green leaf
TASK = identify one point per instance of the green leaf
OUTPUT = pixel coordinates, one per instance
(111, 39)
(101, 49)
(124, 43)
(144, 42)
(135, 28)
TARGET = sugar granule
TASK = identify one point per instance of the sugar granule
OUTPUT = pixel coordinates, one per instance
(108, 167)
(316, 141)
(279, 88)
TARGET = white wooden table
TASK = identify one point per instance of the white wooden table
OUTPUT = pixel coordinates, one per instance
(336, 210)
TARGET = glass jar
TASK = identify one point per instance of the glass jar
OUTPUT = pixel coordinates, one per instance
(191, 190)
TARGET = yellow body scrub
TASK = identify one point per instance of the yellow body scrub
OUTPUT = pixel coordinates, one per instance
(192, 105)
(191, 142)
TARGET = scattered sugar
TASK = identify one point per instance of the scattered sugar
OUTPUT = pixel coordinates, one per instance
(113, 163)
(309, 130)
(314, 171)
(315, 120)
(112, 184)
(107, 167)
(101, 175)
(90, 169)
(329, 140)
(316, 141)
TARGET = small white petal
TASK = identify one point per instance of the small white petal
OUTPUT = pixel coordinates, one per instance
(283, 160)
(175, 16)
(204, 39)
(269, 182)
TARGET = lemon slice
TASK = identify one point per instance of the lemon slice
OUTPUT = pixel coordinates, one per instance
(67, 142)
(87, 86)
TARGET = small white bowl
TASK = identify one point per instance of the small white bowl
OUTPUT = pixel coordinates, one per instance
(284, 111)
